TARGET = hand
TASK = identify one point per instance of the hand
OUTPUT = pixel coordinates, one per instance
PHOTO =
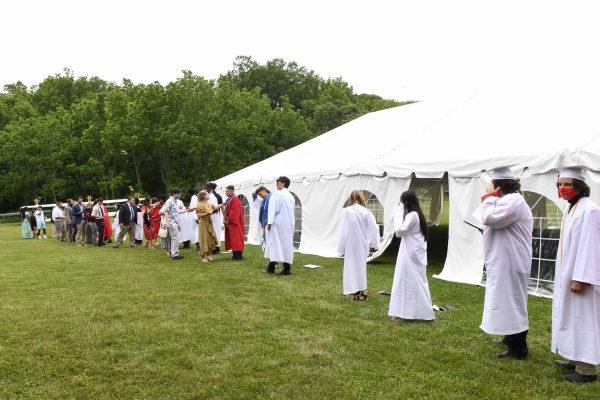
(577, 287)
(269, 227)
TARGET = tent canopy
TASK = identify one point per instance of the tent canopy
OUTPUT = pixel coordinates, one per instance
(540, 131)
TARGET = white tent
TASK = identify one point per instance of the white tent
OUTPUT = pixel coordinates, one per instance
(533, 130)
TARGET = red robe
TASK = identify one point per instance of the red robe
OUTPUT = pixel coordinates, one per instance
(234, 230)
(155, 220)
(107, 224)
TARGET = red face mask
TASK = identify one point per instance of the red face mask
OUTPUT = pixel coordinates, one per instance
(567, 193)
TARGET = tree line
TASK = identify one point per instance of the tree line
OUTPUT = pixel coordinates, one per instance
(72, 135)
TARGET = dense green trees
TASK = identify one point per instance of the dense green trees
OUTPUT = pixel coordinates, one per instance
(70, 136)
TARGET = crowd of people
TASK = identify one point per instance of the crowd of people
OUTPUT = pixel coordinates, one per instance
(507, 239)
(205, 222)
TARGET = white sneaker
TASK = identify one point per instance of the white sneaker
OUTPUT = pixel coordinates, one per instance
(45, 237)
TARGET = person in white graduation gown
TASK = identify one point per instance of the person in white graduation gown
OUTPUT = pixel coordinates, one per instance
(576, 299)
(192, 219)
(280, 228)
(358, 233)
(139, 224)
(507, 244)
(217, 217)
(183, 217)
(410, 298)
(116, 226)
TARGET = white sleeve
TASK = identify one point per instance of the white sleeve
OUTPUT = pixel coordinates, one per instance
(342, 232)
(587, 258)
(273, 201)
(403, 224)
(373, 232)
(498, 212)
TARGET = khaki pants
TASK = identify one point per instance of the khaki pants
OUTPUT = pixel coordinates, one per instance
(174, 231)
(59, 230)
(69, 229)
(81, 231)
(126, 229)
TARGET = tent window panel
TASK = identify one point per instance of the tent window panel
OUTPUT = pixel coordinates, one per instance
(246, 208)
(547, 218)
(430, 195)
(425, 202)
(297, 221)
(375, 206)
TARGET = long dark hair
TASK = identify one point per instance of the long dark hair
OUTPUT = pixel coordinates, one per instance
(582, 187)
(411, 203)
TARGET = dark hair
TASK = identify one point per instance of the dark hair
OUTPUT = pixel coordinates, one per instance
(582, 188)
(507, 185)
(137, 200)
(230, 187)
(285, 180)
(162, 197)
(154, 200)
(410, 201)
(192, 191)
(211, 185)
(260, 189)
(99, 199)
(175, 191)
(147, 201)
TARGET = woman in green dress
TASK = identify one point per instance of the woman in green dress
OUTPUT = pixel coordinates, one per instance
(26, 231)
(206, 232)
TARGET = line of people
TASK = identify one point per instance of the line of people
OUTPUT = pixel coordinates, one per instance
(507, 240)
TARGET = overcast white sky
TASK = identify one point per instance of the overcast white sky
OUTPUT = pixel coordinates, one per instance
(397, 49)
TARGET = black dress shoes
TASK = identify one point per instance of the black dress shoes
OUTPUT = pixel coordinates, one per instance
(510, 354)
(177, 257)
(565, 364)
(578, 378)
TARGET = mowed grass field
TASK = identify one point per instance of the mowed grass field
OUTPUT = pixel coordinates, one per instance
(104, 323)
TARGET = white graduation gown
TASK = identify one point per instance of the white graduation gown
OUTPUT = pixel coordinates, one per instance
(576, 317)
(116, 227)
(139, 226)
(217, 218)
(410, 298)
(507, 247)
(193, 220)
(183, 222)
(257, 230)
(358, 232)
(280, 238)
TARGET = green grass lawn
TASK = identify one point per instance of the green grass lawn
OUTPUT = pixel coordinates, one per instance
(104, 323)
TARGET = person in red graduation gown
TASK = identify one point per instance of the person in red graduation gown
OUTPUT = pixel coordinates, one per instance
(234, 224)
(107, 226)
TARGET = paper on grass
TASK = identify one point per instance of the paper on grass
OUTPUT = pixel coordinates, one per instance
(312, 266)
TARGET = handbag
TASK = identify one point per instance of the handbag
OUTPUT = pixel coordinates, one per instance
(163, 232)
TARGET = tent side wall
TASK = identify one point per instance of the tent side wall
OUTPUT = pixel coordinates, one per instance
(322, 201)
